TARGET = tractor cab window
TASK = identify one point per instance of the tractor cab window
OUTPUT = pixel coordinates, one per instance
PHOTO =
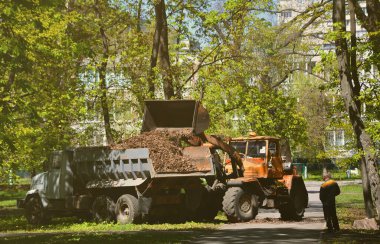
(239, 146)
(256, 149)
(272, 149)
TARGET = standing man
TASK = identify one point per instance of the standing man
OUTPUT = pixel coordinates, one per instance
(329, 189)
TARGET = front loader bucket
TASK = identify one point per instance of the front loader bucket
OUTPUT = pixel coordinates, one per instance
(175, 114)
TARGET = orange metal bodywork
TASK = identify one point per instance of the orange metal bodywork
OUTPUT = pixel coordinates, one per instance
(266, 165)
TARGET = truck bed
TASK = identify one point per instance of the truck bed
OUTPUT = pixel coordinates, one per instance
(102, 167)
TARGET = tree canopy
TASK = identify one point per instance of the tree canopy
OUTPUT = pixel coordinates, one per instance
(73, 71)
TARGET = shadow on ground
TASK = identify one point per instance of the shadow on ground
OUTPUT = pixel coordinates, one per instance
(260, 235)
(254, 235)
(286, 235)
(351, 236)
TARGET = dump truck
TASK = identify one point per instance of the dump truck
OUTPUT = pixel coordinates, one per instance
(127, 185)
(130, 185)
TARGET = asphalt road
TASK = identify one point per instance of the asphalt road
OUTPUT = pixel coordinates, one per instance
(268, 228)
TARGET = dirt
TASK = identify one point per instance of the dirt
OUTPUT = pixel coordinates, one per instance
(279, 220)
(165, 149)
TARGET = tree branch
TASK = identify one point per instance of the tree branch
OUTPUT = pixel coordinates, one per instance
(360, 13)
(298, 34)
(310, 10)
(294, 70)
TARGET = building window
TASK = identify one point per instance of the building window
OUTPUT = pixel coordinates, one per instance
(328, 46)
(286, 14)
(335, 138)
(339, 138)
(330, 138)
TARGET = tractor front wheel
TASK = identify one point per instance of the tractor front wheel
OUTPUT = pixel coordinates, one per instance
(295, 208)
(240, 205)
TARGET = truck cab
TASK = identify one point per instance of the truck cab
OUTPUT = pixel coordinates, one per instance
(260, 155)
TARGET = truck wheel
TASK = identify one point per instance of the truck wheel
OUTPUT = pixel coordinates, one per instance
(239, 205)
(34, 211)
(127, 209)
(209, 207)
(103, 209)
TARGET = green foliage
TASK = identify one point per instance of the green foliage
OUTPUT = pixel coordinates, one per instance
(223, 53)
(236, 110)
(40, 92)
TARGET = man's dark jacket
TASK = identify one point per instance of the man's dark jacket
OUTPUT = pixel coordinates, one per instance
(328, 191)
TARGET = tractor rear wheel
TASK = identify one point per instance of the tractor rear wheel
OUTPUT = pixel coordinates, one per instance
(127, 209)
(295, 208)
(103, 209)
(289, 212)
(34, 211)
(240, 205)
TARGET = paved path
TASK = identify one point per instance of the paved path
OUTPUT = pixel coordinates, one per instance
(268, 228)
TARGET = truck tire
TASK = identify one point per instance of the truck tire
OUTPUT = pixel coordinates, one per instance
(240, 205)
(103, 209)
(127, 210)
(34, 211)
(208, 209)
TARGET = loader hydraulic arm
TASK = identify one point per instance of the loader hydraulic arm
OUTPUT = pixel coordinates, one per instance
(234, 155)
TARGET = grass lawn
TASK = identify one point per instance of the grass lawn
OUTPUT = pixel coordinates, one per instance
(8, 197)
(350, 205)
(73, 230)
(337, 174)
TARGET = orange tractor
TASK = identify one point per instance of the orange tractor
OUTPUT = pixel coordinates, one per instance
(262, 181)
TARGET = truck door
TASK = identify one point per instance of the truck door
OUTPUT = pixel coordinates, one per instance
(54, 173)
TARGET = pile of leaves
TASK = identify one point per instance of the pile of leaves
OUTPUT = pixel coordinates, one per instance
(165, 149)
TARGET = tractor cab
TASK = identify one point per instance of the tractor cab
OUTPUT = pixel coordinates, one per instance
(260, 155)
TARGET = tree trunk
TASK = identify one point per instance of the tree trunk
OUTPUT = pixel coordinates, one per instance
(102, 70)
(154, 54)
(104, 101)
(353, 63)
(164, 51)
(370, 22)
(368, 203)
(160, 50)
(363, 139)
(139, 10)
